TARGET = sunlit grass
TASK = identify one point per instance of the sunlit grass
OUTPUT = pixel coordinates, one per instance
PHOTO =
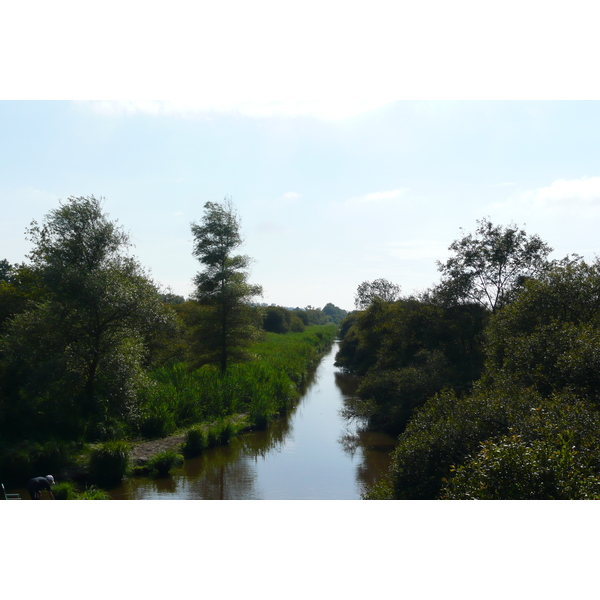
(262, 388)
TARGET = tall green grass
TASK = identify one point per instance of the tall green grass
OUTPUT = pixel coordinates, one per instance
(262, 388)
(109, 463)
(163, 462)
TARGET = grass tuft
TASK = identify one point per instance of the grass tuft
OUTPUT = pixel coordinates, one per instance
(163, 462)
(109, 463)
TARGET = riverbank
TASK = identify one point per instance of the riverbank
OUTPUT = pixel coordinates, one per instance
(312, 452)
(255, 393)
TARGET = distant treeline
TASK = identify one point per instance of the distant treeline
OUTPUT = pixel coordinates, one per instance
(491, 378)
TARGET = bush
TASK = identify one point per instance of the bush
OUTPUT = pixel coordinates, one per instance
(511, 469)
(93, 493)
(109, 463)
(64, 491)
(214, 435)
(163, 462)
(196, 440)
(443, 433)
(157, 422)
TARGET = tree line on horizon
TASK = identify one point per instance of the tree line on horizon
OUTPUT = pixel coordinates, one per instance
(490, 379)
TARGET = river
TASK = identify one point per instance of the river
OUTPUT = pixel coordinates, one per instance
(314, 453)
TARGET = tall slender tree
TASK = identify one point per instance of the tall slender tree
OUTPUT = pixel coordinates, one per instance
(228, 321)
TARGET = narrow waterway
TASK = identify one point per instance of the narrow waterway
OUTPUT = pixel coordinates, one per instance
(312, 454)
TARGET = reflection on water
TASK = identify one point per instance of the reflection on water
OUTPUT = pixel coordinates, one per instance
(313, 453)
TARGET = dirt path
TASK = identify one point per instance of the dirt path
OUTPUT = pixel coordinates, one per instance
(142, 451)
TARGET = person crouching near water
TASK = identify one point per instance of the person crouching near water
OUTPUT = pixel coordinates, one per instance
(37, 484)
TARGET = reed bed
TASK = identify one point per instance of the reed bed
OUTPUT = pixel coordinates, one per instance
(262, 388)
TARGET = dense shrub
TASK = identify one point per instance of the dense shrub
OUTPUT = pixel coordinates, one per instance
(512, 469)
(109, 463)
(281, 320)
(441, 434)
(64, 490)
(196, 440)
(93, 493)
(163, 462)
(408, 351)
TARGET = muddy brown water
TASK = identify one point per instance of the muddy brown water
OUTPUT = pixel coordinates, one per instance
(314, 453)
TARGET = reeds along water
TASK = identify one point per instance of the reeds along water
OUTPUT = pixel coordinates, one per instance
(262, 388)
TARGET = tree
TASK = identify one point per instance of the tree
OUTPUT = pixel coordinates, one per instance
(336, 314)
(229, 323)
(281, 320)
(367, 291)
(77, 354)
(490, 265)
(5, 270)
(548, 338)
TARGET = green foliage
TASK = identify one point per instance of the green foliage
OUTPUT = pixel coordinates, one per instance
(262, 389)
(281, 320)
(73, 361)
(489, 266)
(196, 441)
(213, 435)
(440, 434)
(93, 493)
(5, 271)
(163, 462)
(549, 338)
(529, 430)
(333, 312)
(551, 451)
(64, 490)
(229, 323)
(157, 421)
(407, 351)
(21, 461)
(109, 462)
(510, 469)
(67, 490)
(367, 291)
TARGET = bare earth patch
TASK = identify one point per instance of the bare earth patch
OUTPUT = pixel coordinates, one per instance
(142, 451)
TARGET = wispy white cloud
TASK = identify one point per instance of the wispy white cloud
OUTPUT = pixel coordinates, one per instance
(576, 193)
(576, 197)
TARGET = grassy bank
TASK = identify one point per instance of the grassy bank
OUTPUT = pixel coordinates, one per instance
(204, 402)
(263, 388)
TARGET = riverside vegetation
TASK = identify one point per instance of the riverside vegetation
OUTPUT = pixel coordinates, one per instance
(94, 357)
(491, 379)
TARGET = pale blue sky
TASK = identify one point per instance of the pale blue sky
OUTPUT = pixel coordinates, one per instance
(311, 118)
(325, 203)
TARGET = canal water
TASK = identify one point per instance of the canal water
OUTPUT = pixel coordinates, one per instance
(315, 453)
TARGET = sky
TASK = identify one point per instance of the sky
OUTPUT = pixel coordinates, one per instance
(325, 203)
(348, 159)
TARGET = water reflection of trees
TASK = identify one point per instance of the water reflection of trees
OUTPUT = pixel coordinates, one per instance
(374, 447)
(228, 472)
